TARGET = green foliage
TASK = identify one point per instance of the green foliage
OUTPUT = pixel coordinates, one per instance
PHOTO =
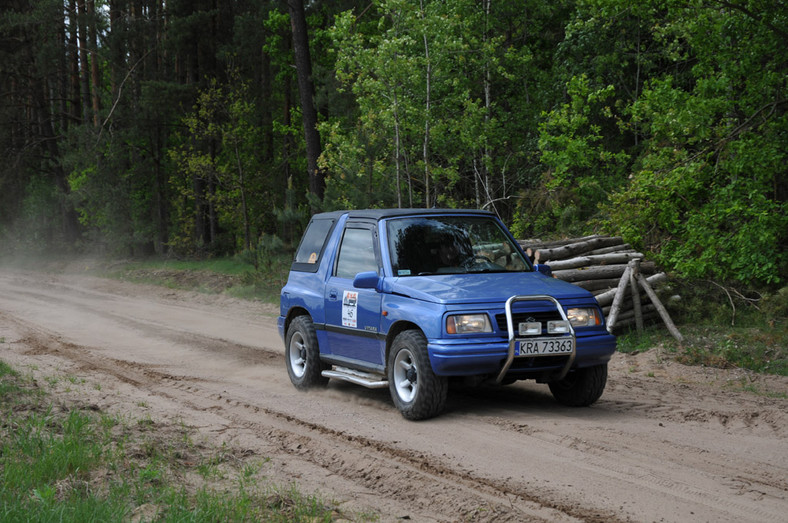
(725, 327)
(664, 122)
(708, 194)
(218, 164)
(262, 254)
(52, 459)
(40, 216)
(423, 132)
(581, 171)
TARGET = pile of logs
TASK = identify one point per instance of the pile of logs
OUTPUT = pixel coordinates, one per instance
(605, 266)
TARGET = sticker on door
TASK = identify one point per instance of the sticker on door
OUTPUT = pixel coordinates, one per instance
(349, 309)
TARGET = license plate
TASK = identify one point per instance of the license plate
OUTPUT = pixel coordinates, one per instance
(543, 346)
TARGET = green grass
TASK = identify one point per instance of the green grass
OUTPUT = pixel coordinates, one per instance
(228, 265)
(67, 463)
(233, 276)
(724, 330)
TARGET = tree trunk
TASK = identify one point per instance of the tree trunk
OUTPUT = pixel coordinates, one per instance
(242, 188)
(117, 45)
(73, 44)
(396, 150)
(306, 89)
(94, 68)
(487, 112)
(427, 116)
(51, 150)
(267, 116)
(62, 74)
(84, 69)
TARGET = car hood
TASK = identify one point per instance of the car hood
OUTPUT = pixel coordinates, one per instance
(483, 287)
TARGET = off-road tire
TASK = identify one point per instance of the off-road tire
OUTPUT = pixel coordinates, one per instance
(582, 387)
(417, 391)
(302, 355)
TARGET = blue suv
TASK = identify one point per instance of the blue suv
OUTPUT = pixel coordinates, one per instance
(408, 298)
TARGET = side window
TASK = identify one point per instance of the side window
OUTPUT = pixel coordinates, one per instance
(356, 254)
(311, 247)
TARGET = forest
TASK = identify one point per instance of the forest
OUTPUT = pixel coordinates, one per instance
(213, 128)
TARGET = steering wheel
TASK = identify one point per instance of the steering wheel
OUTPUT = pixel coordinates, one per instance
(473, 260)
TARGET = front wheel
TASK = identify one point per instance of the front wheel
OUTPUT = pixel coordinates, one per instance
(582, 387)
(302, 355)
(417, 391)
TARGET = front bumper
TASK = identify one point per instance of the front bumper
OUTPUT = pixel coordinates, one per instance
(472, 357)
(497, 356)
(280, 326)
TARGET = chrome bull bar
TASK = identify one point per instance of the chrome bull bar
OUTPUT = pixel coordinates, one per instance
(512, 337)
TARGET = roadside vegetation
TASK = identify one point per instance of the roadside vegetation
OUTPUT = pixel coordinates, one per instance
(235, 276)
(723, 326)
(61, 460)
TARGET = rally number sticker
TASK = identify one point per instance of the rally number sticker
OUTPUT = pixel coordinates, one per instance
(350, 309)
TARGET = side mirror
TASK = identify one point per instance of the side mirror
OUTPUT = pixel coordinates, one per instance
(544, 269)
(367, 280)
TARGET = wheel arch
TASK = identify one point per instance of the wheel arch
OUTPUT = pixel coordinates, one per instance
(293, 314)
(395, 330)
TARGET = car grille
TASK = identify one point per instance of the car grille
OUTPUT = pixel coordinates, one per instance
(519, 317)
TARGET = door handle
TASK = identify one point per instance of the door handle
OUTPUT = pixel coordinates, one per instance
(332, 294)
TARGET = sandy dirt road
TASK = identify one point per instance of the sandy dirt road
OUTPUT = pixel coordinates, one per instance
(665, 442)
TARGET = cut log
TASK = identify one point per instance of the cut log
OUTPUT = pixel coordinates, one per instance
(550, 244)
(624, 247)
(619, 298)
(574, 249)
(633, 276)
(600, 271)
(607, 297)
(660, 308)
(599, 259)
(597, 286)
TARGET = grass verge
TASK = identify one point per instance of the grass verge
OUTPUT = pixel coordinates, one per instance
(722, 328)
(71, 462)
(233, 276)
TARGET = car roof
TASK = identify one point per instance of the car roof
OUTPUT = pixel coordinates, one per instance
(378, 214)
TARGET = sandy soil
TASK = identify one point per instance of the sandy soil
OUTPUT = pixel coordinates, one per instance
(666, 442)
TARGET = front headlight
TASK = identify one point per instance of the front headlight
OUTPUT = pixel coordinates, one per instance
(468, 324)
(584, 317)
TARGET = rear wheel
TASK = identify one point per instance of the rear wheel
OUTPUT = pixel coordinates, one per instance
(416, 390)
(582, 387)
(302, 355)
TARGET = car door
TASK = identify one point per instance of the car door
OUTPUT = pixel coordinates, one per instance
(353, 315)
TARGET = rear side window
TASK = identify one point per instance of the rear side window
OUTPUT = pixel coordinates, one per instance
(357, 253)
(312, 244)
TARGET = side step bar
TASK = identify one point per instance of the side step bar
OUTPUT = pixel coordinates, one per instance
(365, 379)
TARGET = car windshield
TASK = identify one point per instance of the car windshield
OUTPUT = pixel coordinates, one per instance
(451, 245)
